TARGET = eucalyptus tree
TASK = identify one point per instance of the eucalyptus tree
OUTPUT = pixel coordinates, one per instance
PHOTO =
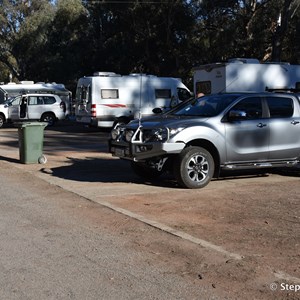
(246, 28)
(68, 44)
(140, 36)
(23, 32)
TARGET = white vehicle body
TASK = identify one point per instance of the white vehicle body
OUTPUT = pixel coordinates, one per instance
(40, 107)
(29, 87)
(108, 98)
(245, 75)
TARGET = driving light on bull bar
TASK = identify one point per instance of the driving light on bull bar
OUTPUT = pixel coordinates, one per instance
(115, 133)
(128, 135)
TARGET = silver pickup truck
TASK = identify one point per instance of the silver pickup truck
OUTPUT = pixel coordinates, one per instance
(199, 138)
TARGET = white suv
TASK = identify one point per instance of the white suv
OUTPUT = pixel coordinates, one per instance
(41, 107)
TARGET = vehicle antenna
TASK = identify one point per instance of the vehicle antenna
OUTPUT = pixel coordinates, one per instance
(141, 87)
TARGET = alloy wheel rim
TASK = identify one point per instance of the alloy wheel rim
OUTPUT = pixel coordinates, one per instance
(197, 168)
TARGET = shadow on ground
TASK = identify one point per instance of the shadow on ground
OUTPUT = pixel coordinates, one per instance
(104, 171)
(119, 171)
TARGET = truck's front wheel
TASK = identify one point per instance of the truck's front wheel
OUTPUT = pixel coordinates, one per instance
(194, 167)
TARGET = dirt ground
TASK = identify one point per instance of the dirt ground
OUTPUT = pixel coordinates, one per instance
(241, 233)
(257, 218)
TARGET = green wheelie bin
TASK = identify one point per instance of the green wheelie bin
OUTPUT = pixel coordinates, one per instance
(31, 139)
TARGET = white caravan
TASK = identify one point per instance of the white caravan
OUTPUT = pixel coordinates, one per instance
(245, 75)
(29, 87)
(107, 98)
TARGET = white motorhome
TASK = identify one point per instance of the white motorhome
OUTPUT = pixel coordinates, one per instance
(107, 98)
(29, 87)
(245, 75)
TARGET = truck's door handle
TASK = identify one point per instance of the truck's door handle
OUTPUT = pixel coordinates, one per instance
(261, 125)
(295, 122)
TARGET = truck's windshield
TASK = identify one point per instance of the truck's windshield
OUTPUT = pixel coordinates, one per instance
(208, 106)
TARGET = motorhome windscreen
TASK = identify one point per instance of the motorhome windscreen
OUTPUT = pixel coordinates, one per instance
(83, 93)
(183, 94)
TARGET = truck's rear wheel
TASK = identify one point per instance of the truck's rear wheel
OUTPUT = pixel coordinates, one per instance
(145, 171)
(194, 167)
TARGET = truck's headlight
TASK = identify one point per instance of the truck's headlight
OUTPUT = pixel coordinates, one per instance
(161, 134)
(174, 131)
(155, 135)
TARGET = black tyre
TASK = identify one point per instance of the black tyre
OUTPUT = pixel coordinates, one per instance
(48, 118)
(2, 120)
(120, 121)
(144, 171)
(194, 168)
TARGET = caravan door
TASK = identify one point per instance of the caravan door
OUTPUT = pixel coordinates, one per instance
(83, 102)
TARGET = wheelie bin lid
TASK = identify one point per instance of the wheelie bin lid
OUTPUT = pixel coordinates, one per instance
(26, 124)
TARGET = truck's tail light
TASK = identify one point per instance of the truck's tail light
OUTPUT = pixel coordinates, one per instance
(93, 110)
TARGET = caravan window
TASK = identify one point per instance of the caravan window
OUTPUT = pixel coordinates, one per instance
(163, 93)
(110, 94)
(203, 87)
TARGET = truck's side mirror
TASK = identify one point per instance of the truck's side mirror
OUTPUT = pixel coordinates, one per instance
(157, 110)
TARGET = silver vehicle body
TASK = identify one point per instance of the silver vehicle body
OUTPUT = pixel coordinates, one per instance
(242, 131)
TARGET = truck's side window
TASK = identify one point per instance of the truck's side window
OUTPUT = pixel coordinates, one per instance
(109, 93)
(32, 100)
(16, 101)
(251, 106)
(49, 100)
(280, 107)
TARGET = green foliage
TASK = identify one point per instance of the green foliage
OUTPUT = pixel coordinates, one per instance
(62, 40)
